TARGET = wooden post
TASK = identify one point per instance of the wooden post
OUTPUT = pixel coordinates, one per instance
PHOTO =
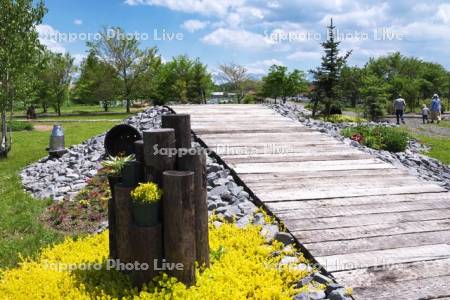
(195, 161)
(139, 150)
(181, 123)
(157, 163)
(112, 229)
(132, 173)
(123, 221)
(179, 224)
(146, 248)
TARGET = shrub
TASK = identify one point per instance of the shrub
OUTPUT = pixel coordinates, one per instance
(147, 193)
(20, 126)
(379, 137)
(249, 99)
(343, 119)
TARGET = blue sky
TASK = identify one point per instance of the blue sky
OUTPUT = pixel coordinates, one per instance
(257, 33)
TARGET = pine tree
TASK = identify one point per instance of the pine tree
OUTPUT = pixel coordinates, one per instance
(326, 77)
(374, 93)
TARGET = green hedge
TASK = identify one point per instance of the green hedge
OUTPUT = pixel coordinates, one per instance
(380, 137)
(20, 126)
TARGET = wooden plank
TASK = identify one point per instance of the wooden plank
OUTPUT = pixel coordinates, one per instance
(366, 231)
(384, 258)
(310, 166)
(343, 202)
(363, 278)
(282, 195)
(362, 209)
(333, 183)
(256, 177)
(367, 219)
(292, 157)
(428, 288)
(378, 243)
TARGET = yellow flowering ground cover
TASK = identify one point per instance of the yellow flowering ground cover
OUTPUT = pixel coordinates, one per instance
(242, 267)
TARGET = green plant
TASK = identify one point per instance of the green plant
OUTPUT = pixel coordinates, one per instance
(343, 119)
(20, 126)
(116, 164)
(379, 137)
(249, 99)
(147, 193)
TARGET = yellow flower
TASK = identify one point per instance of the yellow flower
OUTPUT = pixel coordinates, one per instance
(147, 192)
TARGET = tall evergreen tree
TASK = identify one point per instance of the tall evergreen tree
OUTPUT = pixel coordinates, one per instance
(326, 77)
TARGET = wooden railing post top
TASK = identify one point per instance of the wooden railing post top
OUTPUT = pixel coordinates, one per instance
(159, 130)
(173, 173)
(176, 116)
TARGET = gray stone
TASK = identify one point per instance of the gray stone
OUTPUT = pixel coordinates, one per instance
(269, 231)
(338, 294)
(259, 219)
(314, 295)
(284, 237)
(218, 191)
(320, 278)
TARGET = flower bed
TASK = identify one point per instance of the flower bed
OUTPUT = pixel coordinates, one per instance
(85, 212)
(243, 266)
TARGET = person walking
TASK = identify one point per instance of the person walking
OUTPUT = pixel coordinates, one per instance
(435, 109)
(399, 107)
(425, 113)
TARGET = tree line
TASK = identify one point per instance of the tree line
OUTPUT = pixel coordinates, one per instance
(117, 68)
(375, 85)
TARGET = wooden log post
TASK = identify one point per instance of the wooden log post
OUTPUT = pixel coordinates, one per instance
(179, 224)
(147, 248)
(139, 150)
(112, 229)
(123, 220)
(181, 123)
(195, 160)
(157, 163)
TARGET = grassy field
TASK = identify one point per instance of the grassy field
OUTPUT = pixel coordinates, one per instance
(21, 233)
(440, 147)
(79, 109)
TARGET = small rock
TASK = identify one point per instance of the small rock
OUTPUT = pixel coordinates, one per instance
(269, 231)
(322, 278)
(284, 237)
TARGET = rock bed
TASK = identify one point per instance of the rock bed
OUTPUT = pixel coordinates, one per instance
(412, 159)
(57, 178)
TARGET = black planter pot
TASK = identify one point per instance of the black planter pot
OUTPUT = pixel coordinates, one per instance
(146, 214)
(113, 180)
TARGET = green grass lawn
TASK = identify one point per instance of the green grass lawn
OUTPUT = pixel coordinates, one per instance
(118, 116)
(21, 233)
(440, 147)
(81, 109)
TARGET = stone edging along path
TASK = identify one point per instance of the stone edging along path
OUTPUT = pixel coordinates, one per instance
(412, 159)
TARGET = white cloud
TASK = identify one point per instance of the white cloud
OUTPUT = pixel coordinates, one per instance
(238, 39)
(204, 7)
(78, 22)
(443, 13)
(262, 66)
(305, 55)
(371, 16)
(78, 58)
(194, 25)
(48, 36)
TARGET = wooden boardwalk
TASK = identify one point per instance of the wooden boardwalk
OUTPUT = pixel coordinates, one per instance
(371, 225)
